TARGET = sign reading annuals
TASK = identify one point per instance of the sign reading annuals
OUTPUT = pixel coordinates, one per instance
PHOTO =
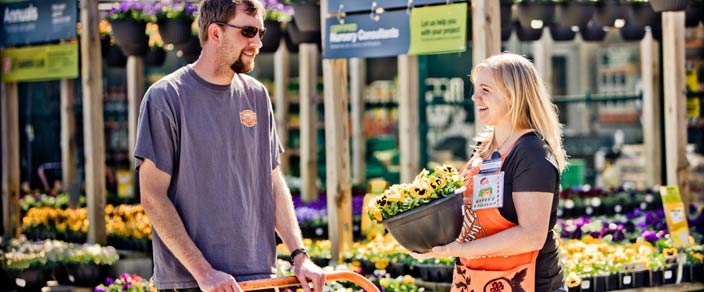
(35, 21)
(360, 36)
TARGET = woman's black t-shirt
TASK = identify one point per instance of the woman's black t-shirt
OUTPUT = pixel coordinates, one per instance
(531, 167)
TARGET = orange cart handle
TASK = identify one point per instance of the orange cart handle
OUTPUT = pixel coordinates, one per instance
(293, 281)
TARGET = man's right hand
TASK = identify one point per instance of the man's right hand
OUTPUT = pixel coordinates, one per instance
(217, 281)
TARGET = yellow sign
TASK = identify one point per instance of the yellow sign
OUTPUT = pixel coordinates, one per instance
(38, 63)
(438, 29)
(675, 215)
(124, 184)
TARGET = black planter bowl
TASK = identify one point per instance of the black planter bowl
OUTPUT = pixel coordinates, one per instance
(560, 33)
(527, 34)
(641, 14)
(631, 33)
(529, 11)
(302, 37)
(592, 32)
(32, 279)
(694, 13)
(668, 5)
(272, 38)
(175, 31)
(433, 224)
(115, 58)
(130, 36)
(306, 16)
(574, 13)
(155, 57)
(290, 45)
(607, 11)
(506, 32)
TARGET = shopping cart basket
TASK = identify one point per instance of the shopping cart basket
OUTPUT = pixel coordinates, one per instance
(293, 281)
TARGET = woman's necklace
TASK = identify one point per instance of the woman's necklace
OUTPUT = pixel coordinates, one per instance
(497, 151)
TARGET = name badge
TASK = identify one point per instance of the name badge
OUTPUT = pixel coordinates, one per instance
(491, 165)
(488, 191)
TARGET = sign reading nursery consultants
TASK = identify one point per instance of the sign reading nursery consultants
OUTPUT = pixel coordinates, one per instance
(37, 21)
(360, 36)
(430, 29)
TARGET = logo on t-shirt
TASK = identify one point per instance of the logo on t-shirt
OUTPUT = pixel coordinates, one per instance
(248, 118)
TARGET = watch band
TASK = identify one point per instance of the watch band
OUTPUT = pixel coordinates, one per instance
(298, 251)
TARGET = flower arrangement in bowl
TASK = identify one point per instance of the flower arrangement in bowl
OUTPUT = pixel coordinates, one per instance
(129, 20)
(175, 20)
(424, 213)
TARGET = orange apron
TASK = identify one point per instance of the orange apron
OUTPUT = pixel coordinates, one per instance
(490, 274)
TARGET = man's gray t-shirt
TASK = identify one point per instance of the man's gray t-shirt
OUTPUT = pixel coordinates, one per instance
(219, 144)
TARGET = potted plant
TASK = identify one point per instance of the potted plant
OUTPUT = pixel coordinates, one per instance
(694, 13)
(592, 31)
(175, 20)
(570, 13)
(668, 5)
(156, 54)
(277, 13)
(126, 282)
(526, 33)
(607, 11)
(641, 13)
(561, 32)
(535, 13)
(129, 22)
(306, 14)
(632, 32)
(423, 213)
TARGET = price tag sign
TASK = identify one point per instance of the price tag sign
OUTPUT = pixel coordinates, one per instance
(675, 215)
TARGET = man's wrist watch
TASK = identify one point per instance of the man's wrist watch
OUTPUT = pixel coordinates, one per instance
(297, 252)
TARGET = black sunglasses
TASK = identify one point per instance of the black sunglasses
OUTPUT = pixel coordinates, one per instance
(247, 31)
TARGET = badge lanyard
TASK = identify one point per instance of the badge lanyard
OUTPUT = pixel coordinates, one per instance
(488, 184)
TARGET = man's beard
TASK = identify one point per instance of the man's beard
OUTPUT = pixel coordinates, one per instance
(239, 67)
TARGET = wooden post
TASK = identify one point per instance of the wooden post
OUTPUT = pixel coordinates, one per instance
(486, 37)
(281, 80)
(93, 127)
(9, 104)
(308, 80)
(650, 119)
(542, 54)
(675, 101)
(135, 93)
(68, 142)
(337, 160)
(408, 138)
(357, 86)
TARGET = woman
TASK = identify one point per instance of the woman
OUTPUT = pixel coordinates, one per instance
(512, 182)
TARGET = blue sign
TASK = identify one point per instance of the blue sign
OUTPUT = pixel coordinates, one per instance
(361, 37)
(37, 21)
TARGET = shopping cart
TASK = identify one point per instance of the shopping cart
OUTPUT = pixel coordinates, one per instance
(293, 281)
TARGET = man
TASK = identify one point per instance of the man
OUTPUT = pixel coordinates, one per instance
(208, 154)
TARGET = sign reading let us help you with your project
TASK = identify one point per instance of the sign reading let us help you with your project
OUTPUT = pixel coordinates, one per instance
(426, 30)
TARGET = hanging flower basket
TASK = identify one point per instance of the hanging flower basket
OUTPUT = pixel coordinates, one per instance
(155, 57)
(631, 32)
(668, 5)
(526, 33)
(506, 32)
(641, 14)
(574, 13)
(115, 58)
(130, 36)
(190, 50)
(307, 16)
(290, 45)
(302, 37)
(694, 13)
(607, 11)
(592, 32)
(506, 6)
(272, 38)
(175, 31)
(560, 32)
(535, 11)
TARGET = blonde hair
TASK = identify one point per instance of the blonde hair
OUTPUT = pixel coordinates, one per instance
(531, 106)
